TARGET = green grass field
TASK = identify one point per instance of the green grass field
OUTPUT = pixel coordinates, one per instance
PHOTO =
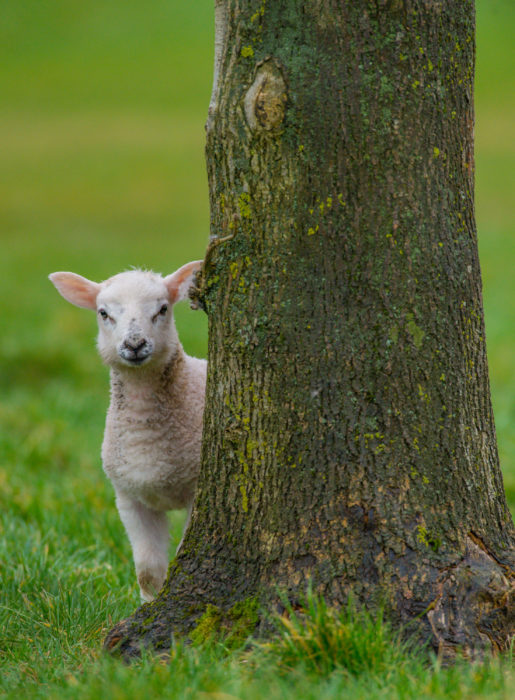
(102, 107)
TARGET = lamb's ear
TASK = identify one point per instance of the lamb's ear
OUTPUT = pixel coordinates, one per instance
(76, 289)
(180, 281)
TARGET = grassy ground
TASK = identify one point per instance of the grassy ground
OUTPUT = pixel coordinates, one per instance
(101, 140)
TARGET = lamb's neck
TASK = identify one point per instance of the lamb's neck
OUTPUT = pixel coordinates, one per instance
(142, 388)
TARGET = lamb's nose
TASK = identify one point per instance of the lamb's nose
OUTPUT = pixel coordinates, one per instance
(135, 351)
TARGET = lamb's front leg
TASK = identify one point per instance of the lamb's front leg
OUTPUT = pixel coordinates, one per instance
(148, 534)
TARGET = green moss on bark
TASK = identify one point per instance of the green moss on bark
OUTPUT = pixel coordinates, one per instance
(232, 626)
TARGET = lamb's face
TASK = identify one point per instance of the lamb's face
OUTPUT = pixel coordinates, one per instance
(135, 320)
(134, 311)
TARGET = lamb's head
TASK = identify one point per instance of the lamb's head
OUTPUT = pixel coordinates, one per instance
(134, 311)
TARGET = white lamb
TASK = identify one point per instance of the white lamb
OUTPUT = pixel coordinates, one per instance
(151, 448)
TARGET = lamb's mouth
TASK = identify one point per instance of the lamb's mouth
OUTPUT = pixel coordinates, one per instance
(134, 360)
(137, 361)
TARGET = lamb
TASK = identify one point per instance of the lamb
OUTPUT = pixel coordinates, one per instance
(151, 447)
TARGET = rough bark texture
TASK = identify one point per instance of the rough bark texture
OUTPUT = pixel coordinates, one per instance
(348, 434)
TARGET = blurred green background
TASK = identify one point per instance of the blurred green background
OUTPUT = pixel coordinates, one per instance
(102, 111)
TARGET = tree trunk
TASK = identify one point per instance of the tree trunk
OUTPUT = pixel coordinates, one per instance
(348, 435)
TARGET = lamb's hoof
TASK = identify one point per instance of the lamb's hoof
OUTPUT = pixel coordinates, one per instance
(149, 585)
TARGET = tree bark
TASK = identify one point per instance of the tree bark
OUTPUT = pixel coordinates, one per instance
(348, 435)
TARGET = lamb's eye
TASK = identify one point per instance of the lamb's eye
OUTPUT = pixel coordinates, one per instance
(163, 309)
(103, 314)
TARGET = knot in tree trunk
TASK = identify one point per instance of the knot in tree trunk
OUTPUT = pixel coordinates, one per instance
(265, 101)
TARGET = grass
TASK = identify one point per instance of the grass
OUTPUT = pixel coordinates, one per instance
(101, 134)
(321, 640)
